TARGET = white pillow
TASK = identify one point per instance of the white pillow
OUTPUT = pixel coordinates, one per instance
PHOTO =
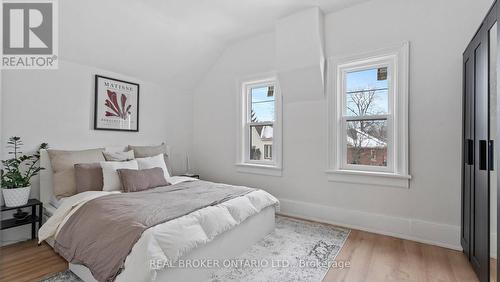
(152, 162)
(110, 177)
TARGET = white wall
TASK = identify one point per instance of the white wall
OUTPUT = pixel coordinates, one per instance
(429, 211)
(56, 106)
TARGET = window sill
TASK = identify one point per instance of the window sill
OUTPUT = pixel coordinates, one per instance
(369, 178)
(270, 170)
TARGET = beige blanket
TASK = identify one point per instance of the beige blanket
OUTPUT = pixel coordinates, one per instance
(102, 233)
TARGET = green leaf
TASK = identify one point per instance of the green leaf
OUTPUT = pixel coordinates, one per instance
(18, 171)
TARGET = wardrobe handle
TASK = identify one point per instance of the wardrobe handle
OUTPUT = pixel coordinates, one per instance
(491, 154)
(469, 152)
(482, 154)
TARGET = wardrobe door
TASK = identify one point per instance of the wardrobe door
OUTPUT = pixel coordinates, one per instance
(495, 63)
(493, 135)
(475, 187)
(468, 146)
(480, 216)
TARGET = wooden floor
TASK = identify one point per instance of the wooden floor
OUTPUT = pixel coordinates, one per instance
(27, 261)
(371, 257)
(374, 257)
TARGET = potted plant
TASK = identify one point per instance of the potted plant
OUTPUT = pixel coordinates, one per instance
(17, 172)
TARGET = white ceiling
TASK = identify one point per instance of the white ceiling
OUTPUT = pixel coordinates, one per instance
(230, 20)
(167, 41)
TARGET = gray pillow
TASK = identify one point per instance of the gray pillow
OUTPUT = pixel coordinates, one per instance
(138, 180)
(118, 156)
(151, 151)
(88, 177)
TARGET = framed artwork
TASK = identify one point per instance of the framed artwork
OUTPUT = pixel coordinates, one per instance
(116, 104)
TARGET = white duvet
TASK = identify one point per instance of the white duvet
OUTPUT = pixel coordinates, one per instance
(170, 240)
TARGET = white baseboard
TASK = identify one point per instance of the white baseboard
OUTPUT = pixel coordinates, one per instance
(15, 235)
(427, 232)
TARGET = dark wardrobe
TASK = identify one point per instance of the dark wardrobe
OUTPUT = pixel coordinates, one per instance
(480, 127)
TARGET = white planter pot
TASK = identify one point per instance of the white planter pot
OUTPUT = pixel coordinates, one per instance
(16, 197)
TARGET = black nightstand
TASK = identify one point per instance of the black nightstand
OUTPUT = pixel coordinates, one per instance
(197, 176)
(32, 218)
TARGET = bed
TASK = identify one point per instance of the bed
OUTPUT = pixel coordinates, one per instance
(226, 244)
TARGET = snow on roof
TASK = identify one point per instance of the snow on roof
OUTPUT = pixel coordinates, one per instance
(266, 133)
(367, 140)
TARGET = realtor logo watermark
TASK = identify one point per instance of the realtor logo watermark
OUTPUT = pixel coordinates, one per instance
(29, 34)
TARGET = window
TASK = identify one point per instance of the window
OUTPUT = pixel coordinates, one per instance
(368, 118)
(268, 152)
(260, 127)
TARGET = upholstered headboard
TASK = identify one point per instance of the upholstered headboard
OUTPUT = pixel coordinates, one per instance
(46, 190)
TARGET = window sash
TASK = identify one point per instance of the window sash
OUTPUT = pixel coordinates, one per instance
(344, 118)
(261, 123)
(248, 123)
(249, 146)
(343, 145)
(368, 117)
(248, 99)
(362, 67)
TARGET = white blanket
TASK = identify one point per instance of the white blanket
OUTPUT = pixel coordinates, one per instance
(170, 240)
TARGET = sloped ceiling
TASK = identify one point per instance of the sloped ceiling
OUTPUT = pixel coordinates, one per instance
(170, 42)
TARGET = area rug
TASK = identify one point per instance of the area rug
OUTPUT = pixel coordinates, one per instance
(65, 276)
(296, 251)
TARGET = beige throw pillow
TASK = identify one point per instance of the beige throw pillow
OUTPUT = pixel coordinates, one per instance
(119, 156)
(63, 168)
(151, 151)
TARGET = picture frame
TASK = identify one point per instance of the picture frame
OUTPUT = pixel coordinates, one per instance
(116, 104)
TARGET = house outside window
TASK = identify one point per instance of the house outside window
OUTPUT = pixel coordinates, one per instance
(259, 149)
(368, 118)
(268, 152)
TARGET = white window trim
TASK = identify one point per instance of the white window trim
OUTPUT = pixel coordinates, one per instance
(243, 163)
(397, 172)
